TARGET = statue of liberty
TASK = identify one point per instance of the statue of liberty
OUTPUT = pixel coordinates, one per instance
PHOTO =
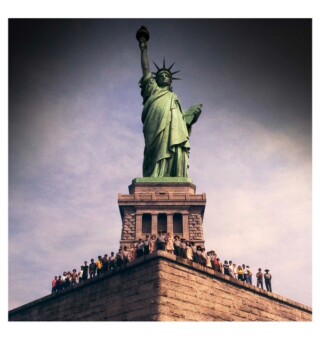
(166, 126)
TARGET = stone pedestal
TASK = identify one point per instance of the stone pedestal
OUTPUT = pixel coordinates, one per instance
(161, 204)
(163, 287)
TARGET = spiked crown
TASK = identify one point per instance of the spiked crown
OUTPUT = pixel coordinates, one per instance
(164, 69)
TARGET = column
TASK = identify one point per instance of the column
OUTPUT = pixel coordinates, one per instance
(138, 226)
(185, 225)
(170, 223)
(154, 224)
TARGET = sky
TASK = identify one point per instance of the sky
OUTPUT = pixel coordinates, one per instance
(76, 141)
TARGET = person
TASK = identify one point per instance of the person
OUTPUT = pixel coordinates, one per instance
(245, 273)
(267, 280)
(240, 273)
(54, 285)
(112, 261)
(60, 284)
(140, 248)
(64, 280)
(85, 271)
(170, 243)
(183, 248)
(105, 263)
(177, 245)
(208, 264)
(125, 255)
(153, 243)
(119, 258)
(133, 253)
(92, 268)
(99, 266)
(226, 268)
(203, 256)
(221, 266)
(235, 270)
(194, 251)
(198, 256)
(166, 126)
(259, 276)
(213, 256)
(249, 275)
(216, 264)
(68, 280)
(74, 277)
(161, 242)
(231, 270)
(189, 251)
(146, 245)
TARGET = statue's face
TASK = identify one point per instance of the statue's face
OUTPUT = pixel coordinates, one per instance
(163, 79)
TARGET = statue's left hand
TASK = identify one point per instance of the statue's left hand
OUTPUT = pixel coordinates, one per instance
(195, 109)
(192, 114)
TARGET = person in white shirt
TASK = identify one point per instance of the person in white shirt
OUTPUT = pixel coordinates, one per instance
(189, 251)
(249, 274)
(231, 270)
(267, 280)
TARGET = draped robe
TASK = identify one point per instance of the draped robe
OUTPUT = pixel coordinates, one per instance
(166, 152)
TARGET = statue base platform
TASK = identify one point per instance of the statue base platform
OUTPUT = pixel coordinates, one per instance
(169, 185)
(162, 180)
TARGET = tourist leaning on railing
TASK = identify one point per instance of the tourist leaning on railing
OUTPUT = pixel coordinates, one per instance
(180, 247)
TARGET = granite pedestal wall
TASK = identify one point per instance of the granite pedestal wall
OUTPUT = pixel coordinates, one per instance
(162, 287)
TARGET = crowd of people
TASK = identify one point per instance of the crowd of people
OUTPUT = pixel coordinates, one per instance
(176, 245)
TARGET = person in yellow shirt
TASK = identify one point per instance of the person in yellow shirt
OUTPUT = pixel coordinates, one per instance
(240, 273)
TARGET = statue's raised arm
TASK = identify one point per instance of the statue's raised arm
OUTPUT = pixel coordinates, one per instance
(166, 127)
(143, 36)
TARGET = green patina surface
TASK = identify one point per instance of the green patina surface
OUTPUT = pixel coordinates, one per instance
(171, 180)
(166, 126)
